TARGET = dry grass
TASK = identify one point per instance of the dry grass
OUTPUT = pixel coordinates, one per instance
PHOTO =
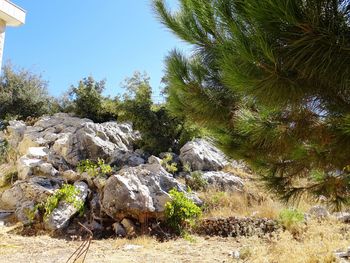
(316, 244)
(144, 241)
(225, 204)
(237, 172)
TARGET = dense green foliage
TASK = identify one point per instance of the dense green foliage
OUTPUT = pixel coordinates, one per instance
(270, 79)
(160, 130)
(23, 94)
(94, 169)
(88, 101)
(180, 211)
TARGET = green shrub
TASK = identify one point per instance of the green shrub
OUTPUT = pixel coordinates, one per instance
(86, 101)
(23, 94)
(160, 131)
(291, 219)
(94, 169)
(168, 164)
(180, 211)
(196, 181)
(67, 193)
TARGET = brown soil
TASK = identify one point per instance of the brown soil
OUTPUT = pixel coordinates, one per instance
(15, 248)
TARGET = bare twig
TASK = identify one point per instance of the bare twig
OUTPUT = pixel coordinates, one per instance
(83, 249)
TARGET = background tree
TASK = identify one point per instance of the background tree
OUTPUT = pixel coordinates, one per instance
(23, 94)
(87, 101)
(270, 80)
(160, 130)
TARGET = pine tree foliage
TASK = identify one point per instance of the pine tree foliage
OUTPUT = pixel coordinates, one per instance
(271, 80)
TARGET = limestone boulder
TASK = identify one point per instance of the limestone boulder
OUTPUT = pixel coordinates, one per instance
(319, 211)
(60, 216)
(122, 158)
(28, 167)
(202, 155)
(15, 132)
(137, 191)
(26, 212)
(224, 181)
(342, 216)
(35, 189)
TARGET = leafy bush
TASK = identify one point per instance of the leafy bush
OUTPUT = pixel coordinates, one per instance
(180, 211)
(23, 94)
(86, 101)
(291, 219)
(94, 169)
(160, 131)
(67, 193)
(197, 181)
(168, 165)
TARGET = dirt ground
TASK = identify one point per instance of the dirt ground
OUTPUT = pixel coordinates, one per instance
(18, 249)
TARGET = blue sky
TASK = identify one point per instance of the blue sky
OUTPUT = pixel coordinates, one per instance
(66, 40)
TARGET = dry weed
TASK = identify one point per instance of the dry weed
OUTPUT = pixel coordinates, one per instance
(316, 244)
(225, 204)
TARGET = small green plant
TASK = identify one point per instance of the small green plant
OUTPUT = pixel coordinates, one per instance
(180, 211)
(187, 168)
(168, 164)
(291, 219)
(197, 181)
(67, 193)
(94, 169)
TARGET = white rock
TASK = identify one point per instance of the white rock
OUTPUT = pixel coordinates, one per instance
(202, 155)
(129, 227)
(60, 216)
(319, 211)
(25, 166)
(135, 191)
(38, 153)
(224, 181)
(35, 189)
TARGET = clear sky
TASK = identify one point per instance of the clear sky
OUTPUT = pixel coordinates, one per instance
(66, 40)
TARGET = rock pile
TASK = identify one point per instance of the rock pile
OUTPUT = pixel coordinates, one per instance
(234, 226)
(137, 189)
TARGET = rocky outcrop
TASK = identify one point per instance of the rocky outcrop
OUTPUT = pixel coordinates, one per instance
(202, 155)
(50, 150)
(67, 140)
(138, 192)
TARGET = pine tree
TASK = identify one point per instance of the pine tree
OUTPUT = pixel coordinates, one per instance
(271, 80)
